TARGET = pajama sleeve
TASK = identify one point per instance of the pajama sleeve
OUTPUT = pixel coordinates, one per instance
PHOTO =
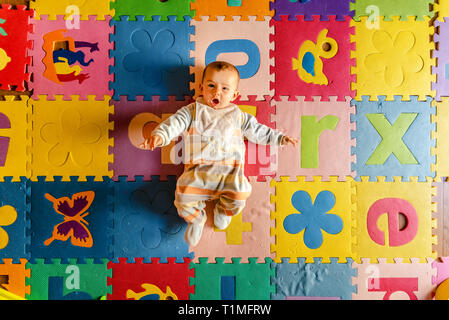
(259, 133)
(174, 125)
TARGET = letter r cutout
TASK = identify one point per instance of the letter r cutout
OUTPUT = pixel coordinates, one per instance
(391, 138)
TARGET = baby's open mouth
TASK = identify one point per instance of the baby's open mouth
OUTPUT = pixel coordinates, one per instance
(215, 101)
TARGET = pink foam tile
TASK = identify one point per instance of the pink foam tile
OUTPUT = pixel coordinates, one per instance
(442, 266)
(129, 119)
(334, 146)
(254, 244)
(242, 43)
(86, 45)
(394, 281)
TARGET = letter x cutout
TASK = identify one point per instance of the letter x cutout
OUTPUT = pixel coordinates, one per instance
(391, 138)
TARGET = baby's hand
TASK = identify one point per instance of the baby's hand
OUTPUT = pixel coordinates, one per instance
(287, 140)
(154, 142)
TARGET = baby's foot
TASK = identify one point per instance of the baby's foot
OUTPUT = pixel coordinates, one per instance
(221, 221)
(193, 233)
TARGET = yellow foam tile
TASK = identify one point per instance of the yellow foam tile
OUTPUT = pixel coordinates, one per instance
(442, 9)
(294, 245)
(442, 133)
(71, 138)
(14, 142)
(70, 8)
(394, 59)
(379, 233)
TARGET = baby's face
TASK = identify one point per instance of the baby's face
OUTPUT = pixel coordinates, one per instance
(219, 88)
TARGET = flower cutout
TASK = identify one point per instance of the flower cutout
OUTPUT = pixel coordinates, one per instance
(8, 216)
(69, 138)
(153, 57)
(313, 217)
(153, 215)
(395, 57)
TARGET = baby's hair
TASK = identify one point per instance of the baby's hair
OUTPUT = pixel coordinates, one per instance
(221, 65)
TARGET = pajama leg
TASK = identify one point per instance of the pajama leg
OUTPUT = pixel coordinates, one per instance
(191, 210)
(228, 206)
(225, 209)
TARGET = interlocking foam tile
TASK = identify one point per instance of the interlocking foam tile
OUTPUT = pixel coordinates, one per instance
(394, 138)
(146, 222)
(150, 281)
(441, 199)
(302, 67)
(14, 142)
(387, 9)
(441, 53)
(260, 160)
(323, 8)
(442, 267)
(71, 138)
(16, 274)
(151, 57)
(15, 27)
(323, 129)
(230, 8)
(304, 228)
(245, 44)
(381, 236)
(14, 219)
(393, 59)
(394, 281)
(71, 8)
(133, 8)
(310, 281)
(133, 121)
(71, 60)
(232, 281)
(441, 9)
(76, 279)
(71, 219)
(441, 137)
(247, 236)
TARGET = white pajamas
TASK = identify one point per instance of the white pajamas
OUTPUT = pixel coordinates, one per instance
(214, 157)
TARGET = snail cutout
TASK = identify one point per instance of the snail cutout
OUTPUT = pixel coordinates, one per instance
(309, 63)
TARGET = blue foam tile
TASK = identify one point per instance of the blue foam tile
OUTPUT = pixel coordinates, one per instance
(146, 222)
(151, 58)
(316, 280)
(96, 219)
(417, 138)
(14, 237)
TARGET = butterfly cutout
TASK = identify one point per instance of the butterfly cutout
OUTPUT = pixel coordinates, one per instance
(74, 225)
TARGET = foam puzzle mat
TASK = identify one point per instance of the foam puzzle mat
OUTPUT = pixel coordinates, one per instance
(358, 211)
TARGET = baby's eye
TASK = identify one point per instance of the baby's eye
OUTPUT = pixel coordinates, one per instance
(210, 85)
(225, 89)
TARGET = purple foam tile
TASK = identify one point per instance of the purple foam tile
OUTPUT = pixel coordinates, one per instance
(441, 70)
(323, 8)
(130, 118)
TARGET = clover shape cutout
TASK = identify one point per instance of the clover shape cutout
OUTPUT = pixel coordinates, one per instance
(313, 217)
(154, 56)
(153, 214)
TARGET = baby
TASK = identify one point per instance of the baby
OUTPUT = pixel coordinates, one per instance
(214, 129)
